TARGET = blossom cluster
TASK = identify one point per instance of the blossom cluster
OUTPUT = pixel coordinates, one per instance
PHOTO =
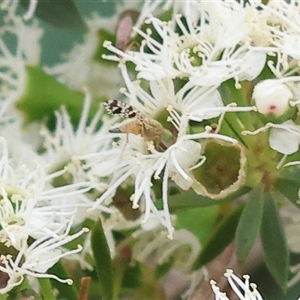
(210, 96)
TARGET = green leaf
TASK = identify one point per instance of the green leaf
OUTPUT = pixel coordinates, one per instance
(266, 72)
(249, 224)
(104, 35)
(163, 269)
(220, 238)
(68, 291)
(108, 8)
(190, 199)
(274, 243)
(62, 14)
(234, 121)
(198, 220)
(44, 95)
(289, 189)
(26, 294)
(47, 290)
(102, 260)
(290, 173)
(132, 277)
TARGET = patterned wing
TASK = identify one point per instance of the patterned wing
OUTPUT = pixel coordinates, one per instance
(121, 109)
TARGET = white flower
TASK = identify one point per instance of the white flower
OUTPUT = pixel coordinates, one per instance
(280, 35)
(189, 9)
(29, 202)
(21, 142)
(134, 160)
(152, 245)
(192, 102)
(284, 23)
(243, 290)
(207, 54)
(65, 141)
(284, 137)
(35, 258)
(128, 161)
(35, 219)
(272, 97)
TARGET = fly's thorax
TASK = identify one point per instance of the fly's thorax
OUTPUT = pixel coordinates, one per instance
(152, 130)
(133, 126)
(139, 123)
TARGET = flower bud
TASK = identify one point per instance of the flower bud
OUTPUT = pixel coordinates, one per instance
(272, 97)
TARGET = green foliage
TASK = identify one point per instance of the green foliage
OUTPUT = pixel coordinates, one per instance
(62, 14)
(104, 35)
(108, 8)
(103, 261)
(190, 199)
(198, 214)
(289, 189)
(274, 242)
(44, 95)
(288, 184)
(163, 269)
(132, 277)
(65, 291)
(26, 294)
(198, 220)
(219, 239)
(249, 224)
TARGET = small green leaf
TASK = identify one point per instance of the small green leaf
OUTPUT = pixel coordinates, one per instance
(274, 243)
(108, 8)
(163, 269)
(289, 189)
(198, 220)
(104, 35)
(102, 261)
(65, 290)
(249, 224)
(26, 294)
(47, 290)
(132, 277)
(190, 199)
(43, 95)
(62, 14)
(290, 173)
(220, 238)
